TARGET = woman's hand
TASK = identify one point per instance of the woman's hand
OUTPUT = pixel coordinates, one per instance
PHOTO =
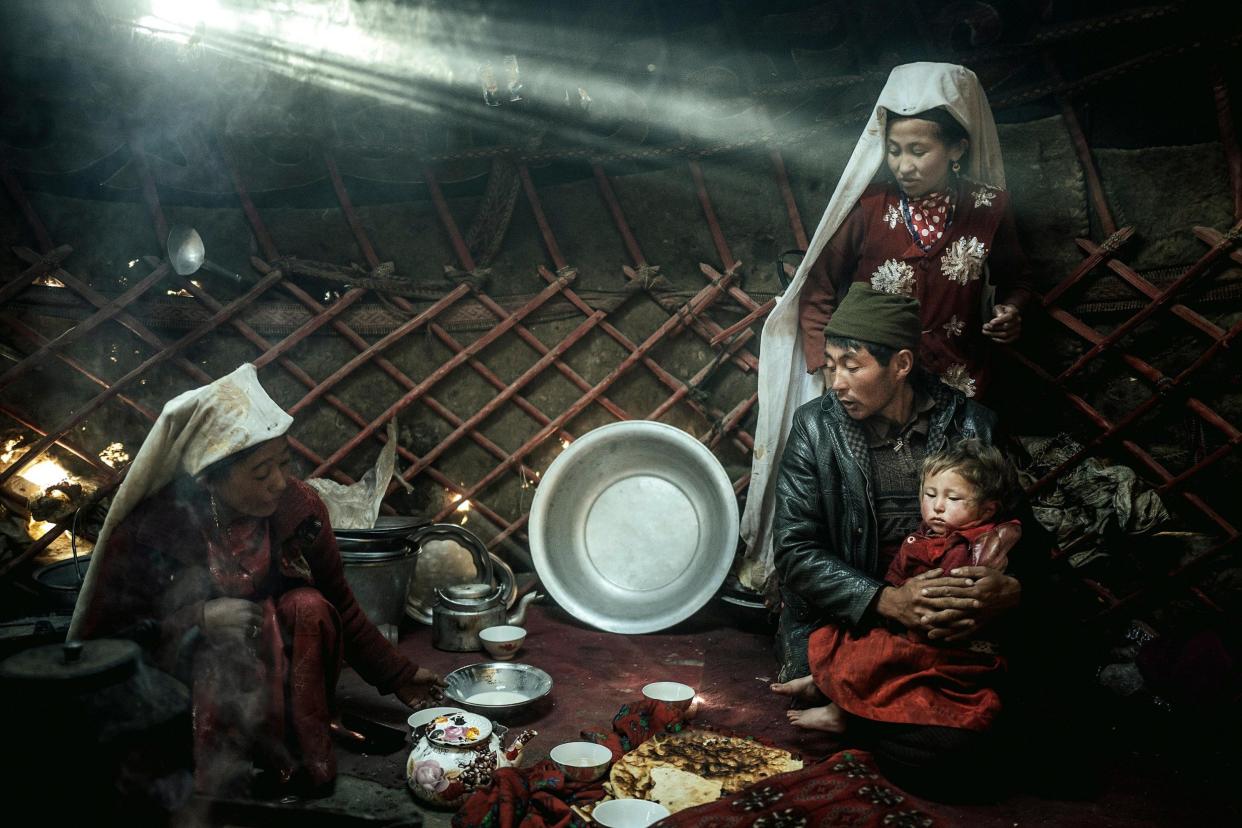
(1005, 326)
(231, 620)
(425, 689)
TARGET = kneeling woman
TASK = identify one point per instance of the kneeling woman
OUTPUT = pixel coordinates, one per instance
(225, 567)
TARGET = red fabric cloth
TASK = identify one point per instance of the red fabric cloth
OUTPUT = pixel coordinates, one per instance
(271, 703)
(930, 216)
(902, 677)
(874, 234)
(540, 796)
(844, 789)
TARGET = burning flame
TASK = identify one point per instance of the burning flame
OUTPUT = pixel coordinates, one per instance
(38, 528)
(463, 506)
(10, 448)
(45, 473)
(564, 444)
(114, 455)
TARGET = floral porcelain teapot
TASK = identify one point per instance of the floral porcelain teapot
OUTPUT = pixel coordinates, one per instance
(455, 753)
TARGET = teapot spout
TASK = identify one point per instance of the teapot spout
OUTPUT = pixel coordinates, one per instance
(514, 752)
(519, 616)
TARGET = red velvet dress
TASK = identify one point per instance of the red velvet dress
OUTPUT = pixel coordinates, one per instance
(874, 245)
(271, 701)
(903, 677)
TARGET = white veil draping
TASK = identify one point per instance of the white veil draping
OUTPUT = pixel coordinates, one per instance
(194, 430)
(784, 383)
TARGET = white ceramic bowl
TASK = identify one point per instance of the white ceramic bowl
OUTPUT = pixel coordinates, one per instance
(628, 813)
(581, 761)
(502, 643)
(673, 693)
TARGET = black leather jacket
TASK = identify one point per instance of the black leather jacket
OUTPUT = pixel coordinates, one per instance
(825, 531)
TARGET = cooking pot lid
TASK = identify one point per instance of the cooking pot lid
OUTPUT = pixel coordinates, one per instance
(387, 527)
(99, 661)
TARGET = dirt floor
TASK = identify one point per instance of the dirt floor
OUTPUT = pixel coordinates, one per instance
(595, 672)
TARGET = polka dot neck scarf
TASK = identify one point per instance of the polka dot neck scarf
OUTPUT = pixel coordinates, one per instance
(928, 218)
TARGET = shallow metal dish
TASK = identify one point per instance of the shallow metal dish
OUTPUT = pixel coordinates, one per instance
(634, 527)
(501, 676)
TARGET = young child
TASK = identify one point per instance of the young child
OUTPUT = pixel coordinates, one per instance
(904, 677)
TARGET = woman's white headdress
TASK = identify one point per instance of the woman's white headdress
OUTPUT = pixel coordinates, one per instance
(783, 381)
(195, 430)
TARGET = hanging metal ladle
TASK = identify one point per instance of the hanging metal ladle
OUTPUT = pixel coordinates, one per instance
(187, 255)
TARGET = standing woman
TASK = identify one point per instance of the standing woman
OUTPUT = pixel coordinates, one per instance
(224, 566)
(939, 230)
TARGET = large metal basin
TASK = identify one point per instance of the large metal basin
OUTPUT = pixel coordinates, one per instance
(634, 527)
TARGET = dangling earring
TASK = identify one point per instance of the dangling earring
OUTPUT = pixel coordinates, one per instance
(215, 512)
(957, 168)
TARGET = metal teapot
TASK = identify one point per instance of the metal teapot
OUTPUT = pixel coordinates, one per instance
(462, 610)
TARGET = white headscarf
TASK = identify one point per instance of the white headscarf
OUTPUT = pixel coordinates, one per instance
(784, 383)
(195, 430)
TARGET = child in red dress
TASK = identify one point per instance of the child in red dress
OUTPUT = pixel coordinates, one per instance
(901, 676)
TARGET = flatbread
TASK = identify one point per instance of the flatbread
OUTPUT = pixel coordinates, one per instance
(677, 790)
(728, 761)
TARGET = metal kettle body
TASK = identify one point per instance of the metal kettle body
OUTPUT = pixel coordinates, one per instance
(461, 612)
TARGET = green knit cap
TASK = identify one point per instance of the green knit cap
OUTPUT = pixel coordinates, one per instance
(868, 315)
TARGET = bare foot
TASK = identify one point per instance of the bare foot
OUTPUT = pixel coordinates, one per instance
(828, 718)
(802, 689)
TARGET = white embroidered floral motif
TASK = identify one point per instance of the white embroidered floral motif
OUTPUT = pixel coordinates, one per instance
(954, 326)
(892, 217)
(894, 277)
(984, 196)
(963, 261)
(958, 379)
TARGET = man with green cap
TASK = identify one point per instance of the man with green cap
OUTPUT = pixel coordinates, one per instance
(847, 493)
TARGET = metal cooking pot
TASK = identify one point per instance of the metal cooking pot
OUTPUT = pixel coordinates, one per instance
(93, 708)
(59, 582)
(378, 565)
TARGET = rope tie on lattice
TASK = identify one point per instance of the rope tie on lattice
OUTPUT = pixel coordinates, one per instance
(1231, 238)
(477, 279)
(699, 395)
(649, 277)
(566, 275)
(1114, 242)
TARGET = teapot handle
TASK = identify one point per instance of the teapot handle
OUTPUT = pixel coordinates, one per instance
(451, 531)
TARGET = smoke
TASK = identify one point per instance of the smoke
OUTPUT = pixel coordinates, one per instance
(586, 73)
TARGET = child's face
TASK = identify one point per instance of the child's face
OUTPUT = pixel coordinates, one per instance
(949, 502)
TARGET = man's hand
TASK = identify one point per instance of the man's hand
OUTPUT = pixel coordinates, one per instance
(977, 595)
(1005, 326)
(231, 620)
(950, 607)
(910, 606)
